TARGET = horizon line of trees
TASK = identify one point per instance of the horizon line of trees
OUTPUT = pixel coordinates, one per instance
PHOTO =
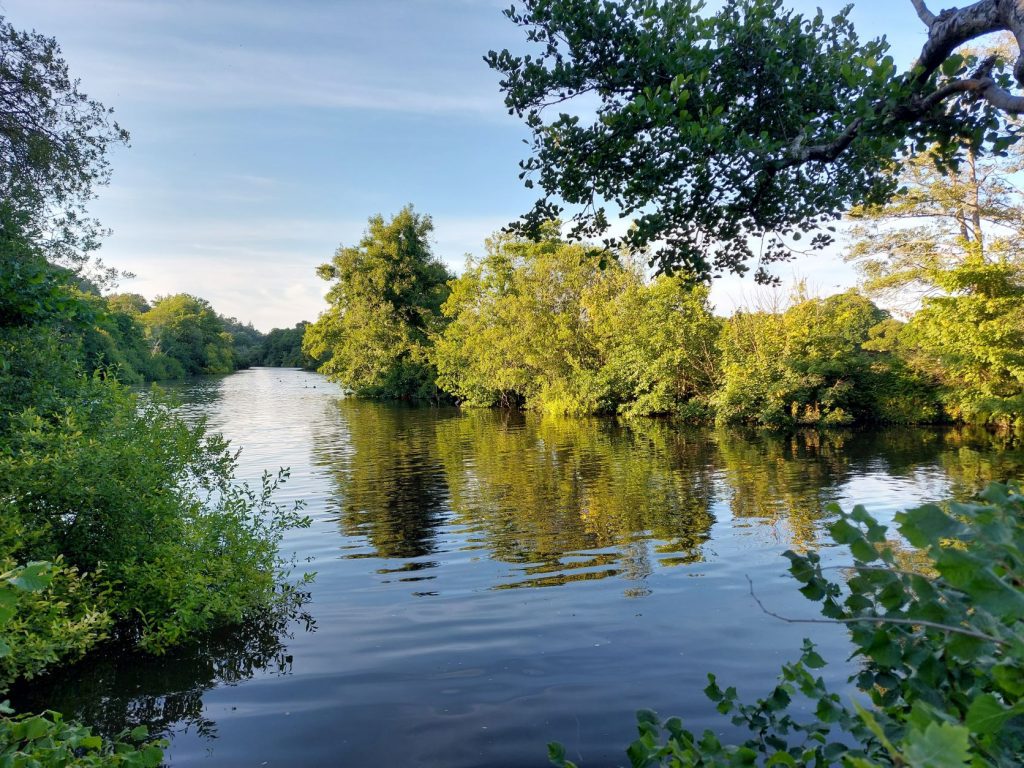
(175, 337)
(561, 327)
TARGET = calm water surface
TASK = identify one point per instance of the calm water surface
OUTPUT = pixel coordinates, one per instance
(488, 582)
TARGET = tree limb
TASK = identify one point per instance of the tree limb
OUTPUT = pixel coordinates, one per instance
(923, 13)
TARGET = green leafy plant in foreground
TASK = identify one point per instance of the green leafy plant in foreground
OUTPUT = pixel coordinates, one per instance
(46, 740)
(941, 648)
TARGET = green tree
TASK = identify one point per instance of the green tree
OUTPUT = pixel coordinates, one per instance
(385, 304)
(809, 365)
(246, 341)
(54, 142)
(953, 244)
(129, 303)
(972, 341)
(185, 328)
(729, 134)
(282, 347)
(551, 325)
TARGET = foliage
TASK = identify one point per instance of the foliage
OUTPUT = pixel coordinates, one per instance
(54, 142)
(186, 329)
(812, 364)
(46, 740)
(551, 325)
(972, 341)
(729, 134)
(57, 620)
(282, 348)
(172, 545)
(939, 220)
(246, 342)
(385, 302)
(955, 244)
(941, 653)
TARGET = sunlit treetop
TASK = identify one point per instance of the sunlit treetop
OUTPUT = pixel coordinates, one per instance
(737, 136)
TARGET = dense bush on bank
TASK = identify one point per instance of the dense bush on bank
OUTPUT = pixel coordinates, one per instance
(146, 532)
(564, 328)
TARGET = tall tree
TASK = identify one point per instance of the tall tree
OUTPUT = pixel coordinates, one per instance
(185, 328)
(385, 303)
(951, 246)
(54, 142)
(937, 222)
(729, 135)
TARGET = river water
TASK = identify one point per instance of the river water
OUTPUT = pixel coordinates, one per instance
(491, 581)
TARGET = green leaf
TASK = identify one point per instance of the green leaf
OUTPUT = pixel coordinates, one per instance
(987, 715)
(34, 728)
(34, 577)
(91, 742)
(872, 724)
(556, 754)
(926, 525)
(941, 745)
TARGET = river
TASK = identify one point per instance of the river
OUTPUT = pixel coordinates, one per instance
(487, 582)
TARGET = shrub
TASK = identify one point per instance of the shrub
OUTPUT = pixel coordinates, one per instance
(45, 741)
(145, 505)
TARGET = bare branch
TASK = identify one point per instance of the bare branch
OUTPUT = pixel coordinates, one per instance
(982, 87)
(923, 13)
(879, 620)
(954, 27)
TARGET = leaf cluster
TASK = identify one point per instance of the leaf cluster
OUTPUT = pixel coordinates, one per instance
(384, 304)
(714, 132)
(47, 740)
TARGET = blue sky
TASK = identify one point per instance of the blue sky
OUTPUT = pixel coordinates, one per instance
(265, 133)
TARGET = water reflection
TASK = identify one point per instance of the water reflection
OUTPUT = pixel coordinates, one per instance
(547, 492)
(478, 575)
(569, 500)
(389, 485)
(118, 688)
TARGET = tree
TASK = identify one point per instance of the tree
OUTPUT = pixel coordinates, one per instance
(385, 303)
(812, 364)
(54, 142)
(728, 136)
(936, 223)
(953, 245)
(551, 325)
(246, 341)
(185, 328)
(282, 347)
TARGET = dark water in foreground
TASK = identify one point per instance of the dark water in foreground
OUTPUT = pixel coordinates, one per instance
(488, 582)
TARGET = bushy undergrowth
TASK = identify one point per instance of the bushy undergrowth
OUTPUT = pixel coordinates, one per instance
(136, 512)
(46, 740)
(940, 646)
(141, 510)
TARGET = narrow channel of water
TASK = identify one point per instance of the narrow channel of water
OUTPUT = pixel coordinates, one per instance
(489, 581)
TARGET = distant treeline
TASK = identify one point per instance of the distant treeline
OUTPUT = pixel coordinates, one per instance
(177, 336)
(566, 328)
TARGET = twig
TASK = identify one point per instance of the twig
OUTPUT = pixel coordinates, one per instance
(878, 620)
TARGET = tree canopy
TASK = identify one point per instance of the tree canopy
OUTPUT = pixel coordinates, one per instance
(385, 302)
(728, 136)
(543, 324)
(54, 142)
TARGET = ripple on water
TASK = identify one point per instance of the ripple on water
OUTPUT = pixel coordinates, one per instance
(490, 581)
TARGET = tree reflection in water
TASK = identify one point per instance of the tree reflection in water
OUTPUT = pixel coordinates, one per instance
(118, 688)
